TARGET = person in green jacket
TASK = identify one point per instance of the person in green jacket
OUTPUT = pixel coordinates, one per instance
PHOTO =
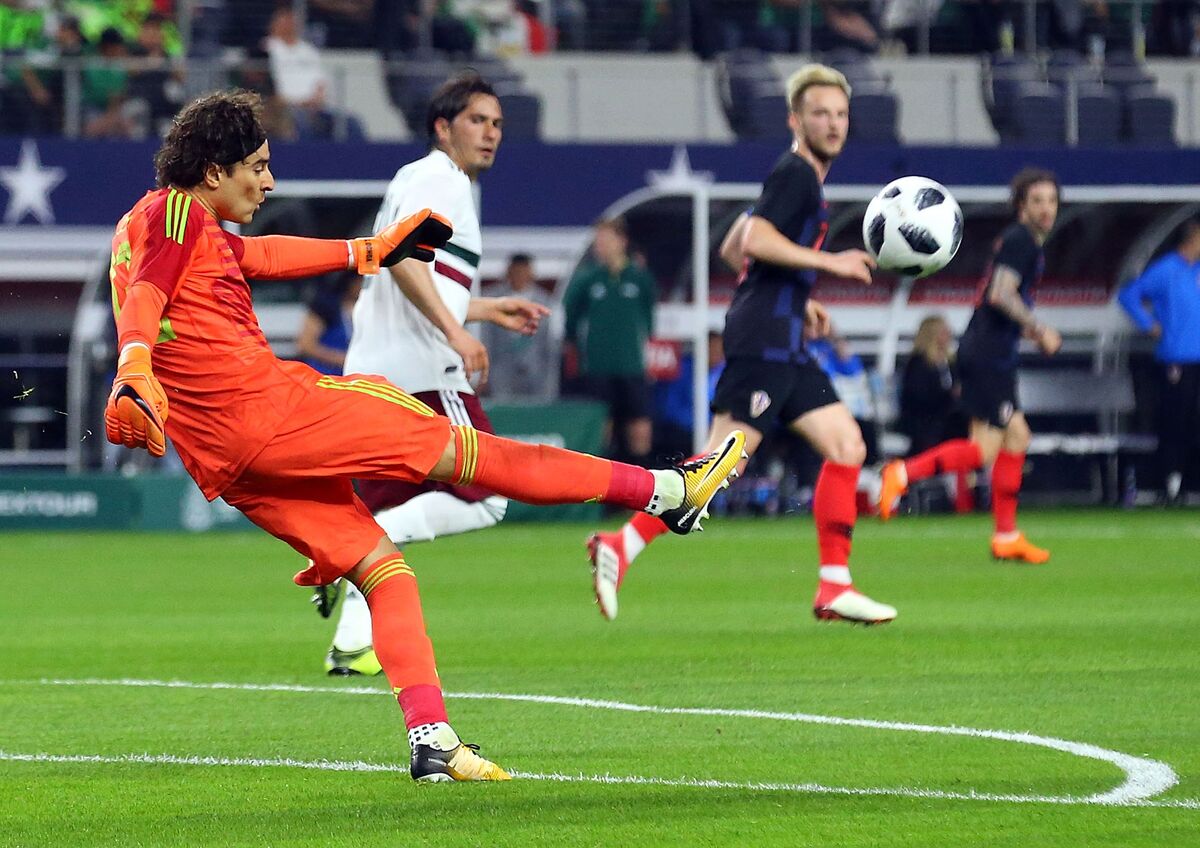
(609, 308)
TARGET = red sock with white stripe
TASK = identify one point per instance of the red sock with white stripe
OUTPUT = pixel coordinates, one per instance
(835, 512)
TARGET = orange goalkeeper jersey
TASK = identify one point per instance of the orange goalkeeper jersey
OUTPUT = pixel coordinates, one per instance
(228, 393)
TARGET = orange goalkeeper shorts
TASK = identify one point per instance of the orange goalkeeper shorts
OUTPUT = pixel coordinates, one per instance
(299, 486)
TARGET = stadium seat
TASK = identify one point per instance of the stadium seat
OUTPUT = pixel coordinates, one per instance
(766, 118)
(1067, 66)
(1002, 80)
(1039, 115)
(1150, 119)
(742, 77)
(1123, 72)
(1098, 116)
(522, 116)
(874, 116)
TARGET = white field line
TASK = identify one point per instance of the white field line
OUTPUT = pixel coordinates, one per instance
(555, 777)
(1144, 778)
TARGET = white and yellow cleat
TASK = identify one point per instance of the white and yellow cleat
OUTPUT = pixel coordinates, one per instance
(703, 477)
(439, 756)
(853, 606)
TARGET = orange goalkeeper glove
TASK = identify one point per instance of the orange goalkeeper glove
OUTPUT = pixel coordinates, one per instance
(137, 407)
(417, 236)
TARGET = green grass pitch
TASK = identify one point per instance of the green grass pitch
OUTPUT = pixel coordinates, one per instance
(1098, 648)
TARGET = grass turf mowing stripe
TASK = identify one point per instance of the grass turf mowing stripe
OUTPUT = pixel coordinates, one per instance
(1144, 778)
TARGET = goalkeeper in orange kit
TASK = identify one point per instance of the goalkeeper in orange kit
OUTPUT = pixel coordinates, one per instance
(281, 442)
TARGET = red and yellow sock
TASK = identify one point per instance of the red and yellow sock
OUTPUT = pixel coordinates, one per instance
(540, 474)
(948, 457)
(1006, 488)
(401, 643)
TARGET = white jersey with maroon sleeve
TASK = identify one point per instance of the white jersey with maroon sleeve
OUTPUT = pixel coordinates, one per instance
(391, 336)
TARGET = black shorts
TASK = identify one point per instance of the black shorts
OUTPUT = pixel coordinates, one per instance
(988, 393)
(627, 398)
(763, 394)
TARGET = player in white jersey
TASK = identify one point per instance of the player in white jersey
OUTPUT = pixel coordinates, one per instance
(408, 327)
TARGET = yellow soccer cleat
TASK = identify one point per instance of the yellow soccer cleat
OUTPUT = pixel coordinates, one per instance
(703, 477)
(440, 756)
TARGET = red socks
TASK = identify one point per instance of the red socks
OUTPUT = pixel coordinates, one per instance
(648, 527)
(1006, 486)
(835, 511)
(540, 474)
(398, 633)
(954, 455)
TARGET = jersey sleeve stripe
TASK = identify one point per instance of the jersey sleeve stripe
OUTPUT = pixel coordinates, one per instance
(452, 273)
(462, 253)
(181, 224)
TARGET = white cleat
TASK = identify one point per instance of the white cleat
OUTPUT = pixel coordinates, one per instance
(606, 552)
(853, 606)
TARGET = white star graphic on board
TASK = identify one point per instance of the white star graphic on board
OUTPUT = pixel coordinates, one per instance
(680, 173)
(29, 186)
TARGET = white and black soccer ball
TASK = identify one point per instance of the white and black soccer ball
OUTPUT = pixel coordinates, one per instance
(913, 227)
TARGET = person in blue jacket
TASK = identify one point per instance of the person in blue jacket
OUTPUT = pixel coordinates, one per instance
(1170, 286)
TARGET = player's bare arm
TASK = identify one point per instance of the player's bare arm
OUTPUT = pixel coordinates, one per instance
(1004, 294)
(732, 251)
(415, 280)
(512, 313)
(765, 243)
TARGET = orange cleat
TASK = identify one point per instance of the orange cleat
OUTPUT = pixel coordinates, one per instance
(1019, 549)
(893, 484)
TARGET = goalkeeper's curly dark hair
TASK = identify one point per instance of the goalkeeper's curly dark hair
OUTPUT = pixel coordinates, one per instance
(220, 129)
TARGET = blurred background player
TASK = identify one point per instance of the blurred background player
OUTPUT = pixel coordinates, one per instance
(325, 332)
(409, 327)
(609, 306)
(770, 379)
(281, 442)
(987, 363)
(1171, 285)
(520, 364)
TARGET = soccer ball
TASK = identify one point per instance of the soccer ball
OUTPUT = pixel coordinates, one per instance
(913, 227)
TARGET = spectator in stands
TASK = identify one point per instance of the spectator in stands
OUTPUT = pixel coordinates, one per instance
(342, 23)
(674, 415)
(929, 412)
(153, 80)
(521, 366)
(33, 100)
(1175, 27)
(1171, 284)
(325, 333)
(105, 89)
(609, 308)
(300, 79)
(929, 408)
(255, 75)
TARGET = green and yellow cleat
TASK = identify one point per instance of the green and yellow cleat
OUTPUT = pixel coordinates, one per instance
(349, 663)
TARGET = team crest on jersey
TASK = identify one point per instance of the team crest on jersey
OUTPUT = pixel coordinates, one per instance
(1006, 412)
(759, 401)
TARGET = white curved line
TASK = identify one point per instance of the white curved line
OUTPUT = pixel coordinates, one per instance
(1144, 778)
(555, 777)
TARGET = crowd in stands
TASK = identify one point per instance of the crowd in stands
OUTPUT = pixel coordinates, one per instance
(116, 68)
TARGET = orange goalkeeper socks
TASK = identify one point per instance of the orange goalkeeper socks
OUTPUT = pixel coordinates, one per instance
(403, 647)
(540, 474)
